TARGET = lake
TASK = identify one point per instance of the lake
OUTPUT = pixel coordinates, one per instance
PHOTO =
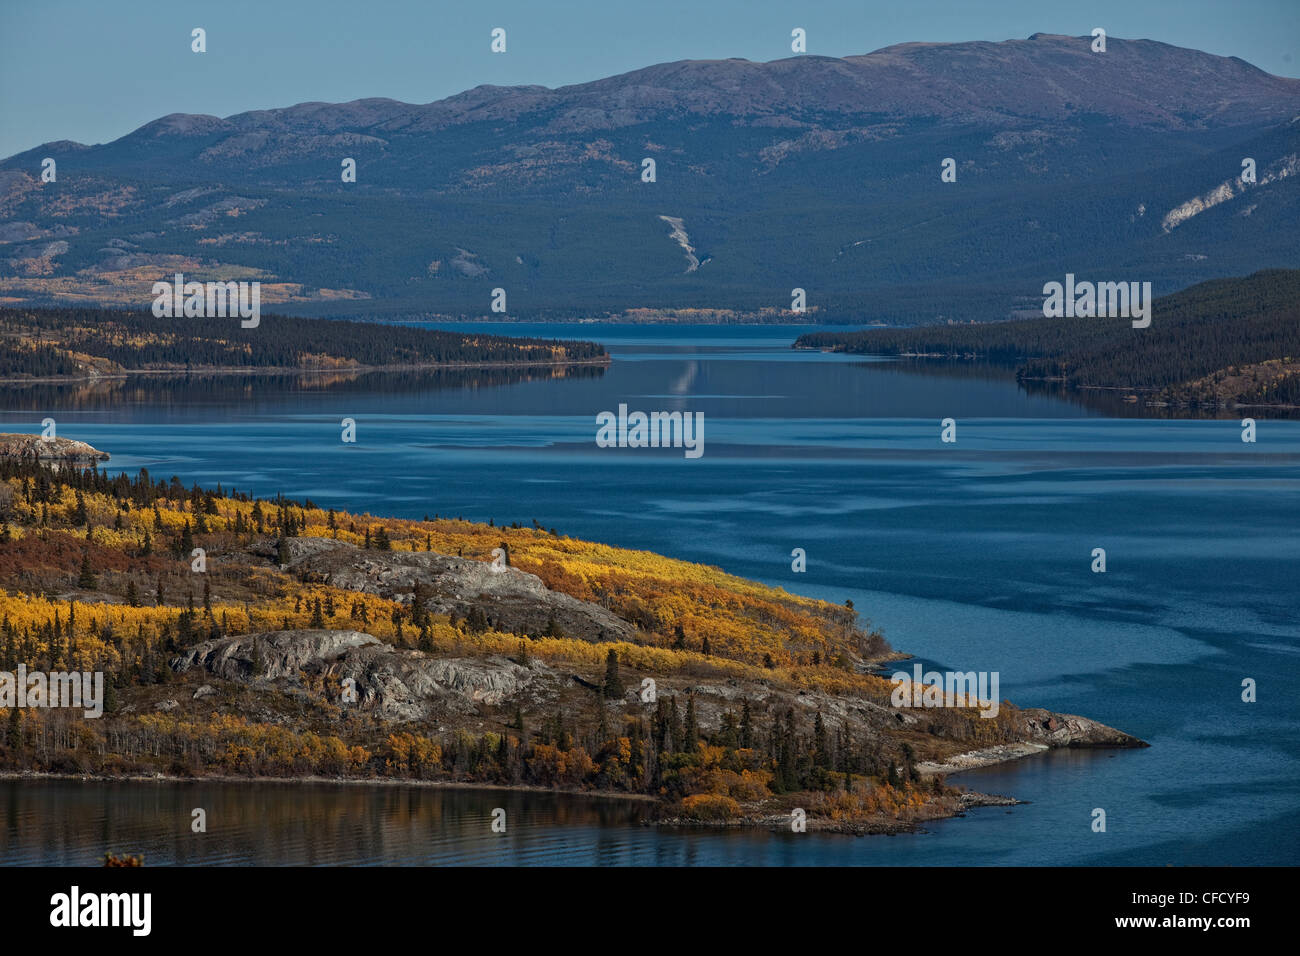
(973, 555)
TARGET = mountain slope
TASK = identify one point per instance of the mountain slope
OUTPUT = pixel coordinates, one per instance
(809, 172)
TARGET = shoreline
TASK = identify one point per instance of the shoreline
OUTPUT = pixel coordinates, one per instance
(981, 359)
(315, 779)
(771, 822)
(1053, 731)
(979, 759)
(286, 370)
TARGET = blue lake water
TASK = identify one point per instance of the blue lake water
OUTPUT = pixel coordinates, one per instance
(973, 555)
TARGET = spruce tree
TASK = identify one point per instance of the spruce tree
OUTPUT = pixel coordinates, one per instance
(86, 580)
(613, 684)
(690, 731)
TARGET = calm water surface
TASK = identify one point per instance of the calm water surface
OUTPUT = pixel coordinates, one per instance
(974, 555)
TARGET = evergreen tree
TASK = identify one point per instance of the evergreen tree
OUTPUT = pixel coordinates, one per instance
(613, 684)
(86, 580)
(892, 777)
(476, 621)
(690, 730)
(820, 757)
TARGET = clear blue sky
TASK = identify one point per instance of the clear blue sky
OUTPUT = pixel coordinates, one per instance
(93, 70)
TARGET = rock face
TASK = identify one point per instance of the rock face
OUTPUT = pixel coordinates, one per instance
(512, 600)
(1069, 730)
(398, 685)
(55, 452)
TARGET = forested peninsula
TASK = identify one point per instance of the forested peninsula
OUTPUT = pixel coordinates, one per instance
(71, 343)
(255, 638)
(1223, 343)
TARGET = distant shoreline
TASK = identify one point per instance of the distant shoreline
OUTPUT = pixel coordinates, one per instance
(287, 370)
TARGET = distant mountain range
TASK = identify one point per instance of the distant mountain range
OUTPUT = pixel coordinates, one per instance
(810, 172)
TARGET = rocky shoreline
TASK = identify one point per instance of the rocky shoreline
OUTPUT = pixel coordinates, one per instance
(53, 452)
(757, 820)
(493, 648)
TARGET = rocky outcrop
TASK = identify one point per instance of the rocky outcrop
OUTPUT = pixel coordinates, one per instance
(55, 452)
(397, 685)
(512, 600)
(1045, 731)
(1069, 730)
(273, 654)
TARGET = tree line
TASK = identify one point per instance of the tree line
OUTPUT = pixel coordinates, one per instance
(37, 342)
(1209, 328)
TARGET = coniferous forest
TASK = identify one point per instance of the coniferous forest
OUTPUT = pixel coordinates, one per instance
(58, 342)
(1220, 342)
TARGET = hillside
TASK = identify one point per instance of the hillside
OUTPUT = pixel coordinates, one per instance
(1224, 342)
(568, 665)
(93, 343)
(811, 172)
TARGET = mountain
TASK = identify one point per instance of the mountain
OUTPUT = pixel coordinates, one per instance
(810, 172)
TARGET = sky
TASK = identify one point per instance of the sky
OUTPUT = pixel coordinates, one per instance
(94, 70)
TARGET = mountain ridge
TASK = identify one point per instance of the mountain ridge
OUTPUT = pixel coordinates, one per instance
(892, 56)
(810, 172)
